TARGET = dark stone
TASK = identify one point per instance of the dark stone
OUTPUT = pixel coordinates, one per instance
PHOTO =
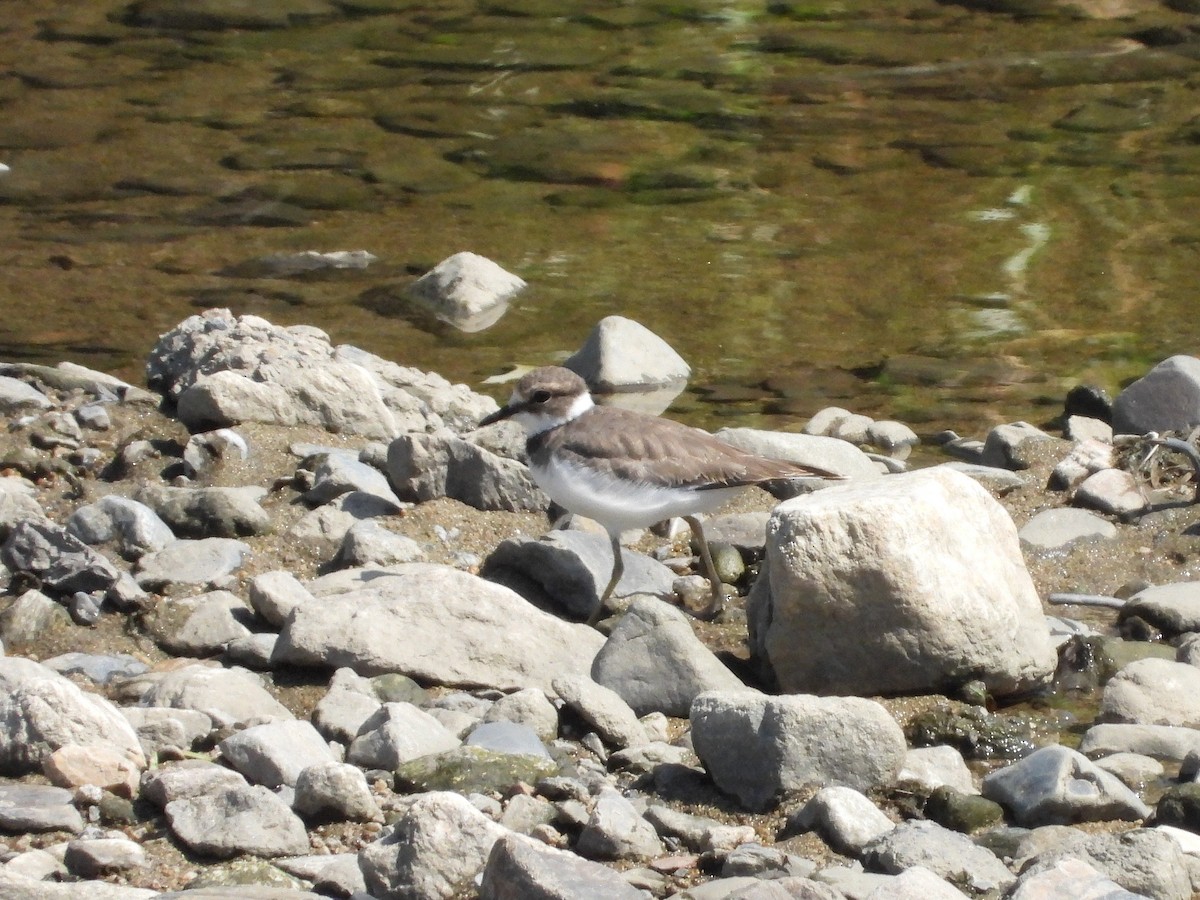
(962, 812)
(1180, 806)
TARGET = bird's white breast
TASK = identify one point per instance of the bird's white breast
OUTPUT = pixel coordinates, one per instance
(619, 504)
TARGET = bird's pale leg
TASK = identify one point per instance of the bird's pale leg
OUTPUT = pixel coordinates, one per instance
(617, 572)
(710, 571)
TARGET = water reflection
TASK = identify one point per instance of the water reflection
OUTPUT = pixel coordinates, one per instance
(800, 198)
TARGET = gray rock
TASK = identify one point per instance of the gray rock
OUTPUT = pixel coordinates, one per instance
(933, 767)
(852, 428)
(1160, 741)
(696, 833)
(322, 531)
(332, 874)
(220, 370)
(61, 562)
(526, 870)
(1135, 770)
(1005, 446)
(1070, 878)
(506, 737)
(340, 473)
(845, 818)
(16, 396)
(34, 865)
(32, 616)
(41, 711)
(788, 888)
(1153, 692)
(254, 651)
(99, 668)
(1172, 608)
(1085, 428)
(208, 512)
(162, 730)
(230, 697)
(989, 476)
(916, 883)
(615, 830)
(205, 450)
(189, 778)
(620, 354)
(18, 501)
(1113, 491)
(37, 807)
(348, 703)
(275, 753)
(95, 857)
(274, 594)
(746, 532)
(601, 708)
(200, 625)
(427, 466)
(235, 819)
(1054, 529)
(1057, 785)
(946, 853)
(838, 572)
(397, 733)
(208, 561)
(1085, 458)
(368, 543)
(1141, 860)
(435, 849)
(894, 438)
(759, 748)
(824, 420)
(467, 291)
(337, 791)
(428, 622)
(754, 860)
(1167, 398)
(529, 707)
(133, 528)
(572, 568)
(826, 453)
(655, 662)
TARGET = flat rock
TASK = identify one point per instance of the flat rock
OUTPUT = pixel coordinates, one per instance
(1057, 785)
(758, 748)
(953, 604)
(946, 853)
(237, 819)
(519, 869)
(845, 818)
(16, 396)
(340, 473)
(916, 883)
(37, 807)
(200, 625)
(655, 662)
(825, 453)
(1113, 491)
(429, 622)
(1070, 878)
(207, 561)
(229, 697)
(95, 857)
(1141, 860)
(207, 512)
(1153, 692)
(1054, 529)
(367, 543)
(1171, 608)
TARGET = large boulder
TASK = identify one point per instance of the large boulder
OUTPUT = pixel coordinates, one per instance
(1167, 398)
(909, 583)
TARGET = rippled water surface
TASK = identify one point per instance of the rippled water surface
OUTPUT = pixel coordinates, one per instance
(946, 213)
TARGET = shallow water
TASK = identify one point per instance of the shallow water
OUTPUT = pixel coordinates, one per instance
(915, 209)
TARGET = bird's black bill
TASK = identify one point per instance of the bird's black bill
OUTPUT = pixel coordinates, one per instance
(502, 413)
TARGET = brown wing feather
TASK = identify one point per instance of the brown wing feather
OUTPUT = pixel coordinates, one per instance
(636, 439)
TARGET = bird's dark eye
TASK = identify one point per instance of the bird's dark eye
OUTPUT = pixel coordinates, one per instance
(540, 397)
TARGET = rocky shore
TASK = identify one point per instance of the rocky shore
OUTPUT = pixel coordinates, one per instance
(287, 624)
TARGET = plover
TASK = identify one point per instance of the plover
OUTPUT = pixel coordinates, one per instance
(629, 470)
